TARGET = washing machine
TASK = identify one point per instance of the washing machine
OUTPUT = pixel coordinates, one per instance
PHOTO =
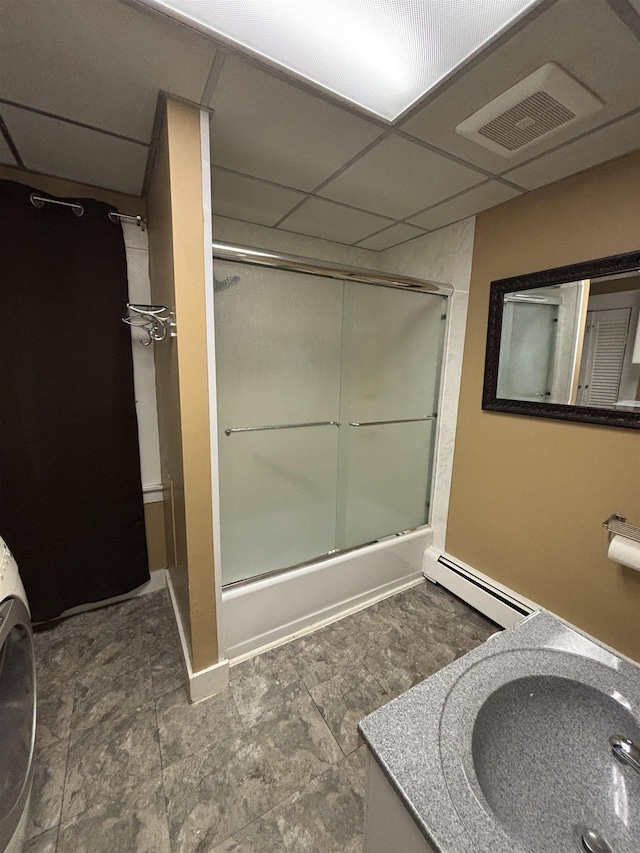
(17, 704)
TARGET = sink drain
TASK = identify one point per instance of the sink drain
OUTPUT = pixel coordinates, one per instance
(592, 842)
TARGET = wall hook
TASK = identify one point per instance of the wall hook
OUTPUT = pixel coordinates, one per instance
(156, 321)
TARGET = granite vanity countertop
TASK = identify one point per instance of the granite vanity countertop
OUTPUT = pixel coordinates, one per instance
(406, 735)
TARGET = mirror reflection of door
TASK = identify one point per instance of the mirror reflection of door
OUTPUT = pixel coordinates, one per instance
(527, 349)
(603, 356)
(573, 344)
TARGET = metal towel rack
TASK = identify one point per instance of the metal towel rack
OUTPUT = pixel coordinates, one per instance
(617, 524)
(77, 209)
(400, 421)
(280, 426)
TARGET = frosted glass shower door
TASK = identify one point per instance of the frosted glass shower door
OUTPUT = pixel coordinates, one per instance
(527, 350)
(392, 354)
(278, 339)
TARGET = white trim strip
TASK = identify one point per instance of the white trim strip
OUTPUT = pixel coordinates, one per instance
(152, 493)
(206, 682)
(207, 210)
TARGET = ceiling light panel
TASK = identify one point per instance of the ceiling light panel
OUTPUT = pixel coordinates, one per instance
(381, 55)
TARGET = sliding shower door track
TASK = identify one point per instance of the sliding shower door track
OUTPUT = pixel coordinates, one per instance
(293, 263)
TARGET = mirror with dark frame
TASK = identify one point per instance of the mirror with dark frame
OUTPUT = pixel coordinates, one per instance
(565, 343)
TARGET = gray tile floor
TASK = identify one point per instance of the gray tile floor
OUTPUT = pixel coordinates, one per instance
(124, 763)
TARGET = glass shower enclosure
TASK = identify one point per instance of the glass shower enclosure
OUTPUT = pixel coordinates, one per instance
(327, 395)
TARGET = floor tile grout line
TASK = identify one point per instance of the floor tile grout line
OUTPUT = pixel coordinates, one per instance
(82, 733)
(287, 797)
(66, 761)
(344, 754)
(251, 822)
(272, 806)
(165, 799)
(114, 717)
(79, 814)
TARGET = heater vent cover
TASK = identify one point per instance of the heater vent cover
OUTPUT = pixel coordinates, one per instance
(537, 107)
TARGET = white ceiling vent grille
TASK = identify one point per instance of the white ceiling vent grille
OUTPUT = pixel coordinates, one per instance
(545, 102)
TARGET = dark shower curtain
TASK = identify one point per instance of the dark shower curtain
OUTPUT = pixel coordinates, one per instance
(71, 506)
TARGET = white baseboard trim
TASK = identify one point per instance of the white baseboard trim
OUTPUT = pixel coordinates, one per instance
(205, 682)
(496, 601)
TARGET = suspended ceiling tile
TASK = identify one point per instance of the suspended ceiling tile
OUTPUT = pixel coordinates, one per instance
(65, 150)
(319, 218)
(467, 204)
(249, 199)
(6, 157)
(584, 37)
(267, 128)
(399, 233)
(101, 63)
(614, 141)
(398, 177)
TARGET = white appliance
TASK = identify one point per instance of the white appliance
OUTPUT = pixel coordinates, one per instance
(17, 704)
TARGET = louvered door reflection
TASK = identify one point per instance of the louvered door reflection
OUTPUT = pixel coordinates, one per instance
(603, 356)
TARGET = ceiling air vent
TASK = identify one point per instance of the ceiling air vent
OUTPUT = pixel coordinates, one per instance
(545, 102)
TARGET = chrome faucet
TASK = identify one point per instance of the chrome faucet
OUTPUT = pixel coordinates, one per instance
(626, 751)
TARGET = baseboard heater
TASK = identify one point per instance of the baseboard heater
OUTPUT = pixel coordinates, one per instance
(491, 599)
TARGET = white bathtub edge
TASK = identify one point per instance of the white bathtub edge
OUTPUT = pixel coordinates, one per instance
(274, 610)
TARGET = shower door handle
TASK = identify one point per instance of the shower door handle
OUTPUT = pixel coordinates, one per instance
(400, 421)
(280, 426)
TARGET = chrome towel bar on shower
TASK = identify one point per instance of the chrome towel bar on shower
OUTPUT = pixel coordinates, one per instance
(280, 426)
(400, 421)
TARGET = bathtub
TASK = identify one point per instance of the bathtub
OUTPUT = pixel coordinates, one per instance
(267, 611)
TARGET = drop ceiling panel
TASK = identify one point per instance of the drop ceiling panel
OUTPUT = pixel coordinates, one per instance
(398, 177)
(613, 141)
(468, 204)
(249, 199)
(65, 150)
(583, 36)
(319, 218)
(6, 157)
(100, 63)
(267, 128)
(399, 233)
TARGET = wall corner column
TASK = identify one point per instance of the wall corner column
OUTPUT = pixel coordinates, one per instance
(179, 211)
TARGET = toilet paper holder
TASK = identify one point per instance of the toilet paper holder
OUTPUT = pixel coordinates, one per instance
(617, 524)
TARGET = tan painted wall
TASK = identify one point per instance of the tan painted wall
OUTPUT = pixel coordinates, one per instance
(154, 527)
(529, 495)
(176, 260)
